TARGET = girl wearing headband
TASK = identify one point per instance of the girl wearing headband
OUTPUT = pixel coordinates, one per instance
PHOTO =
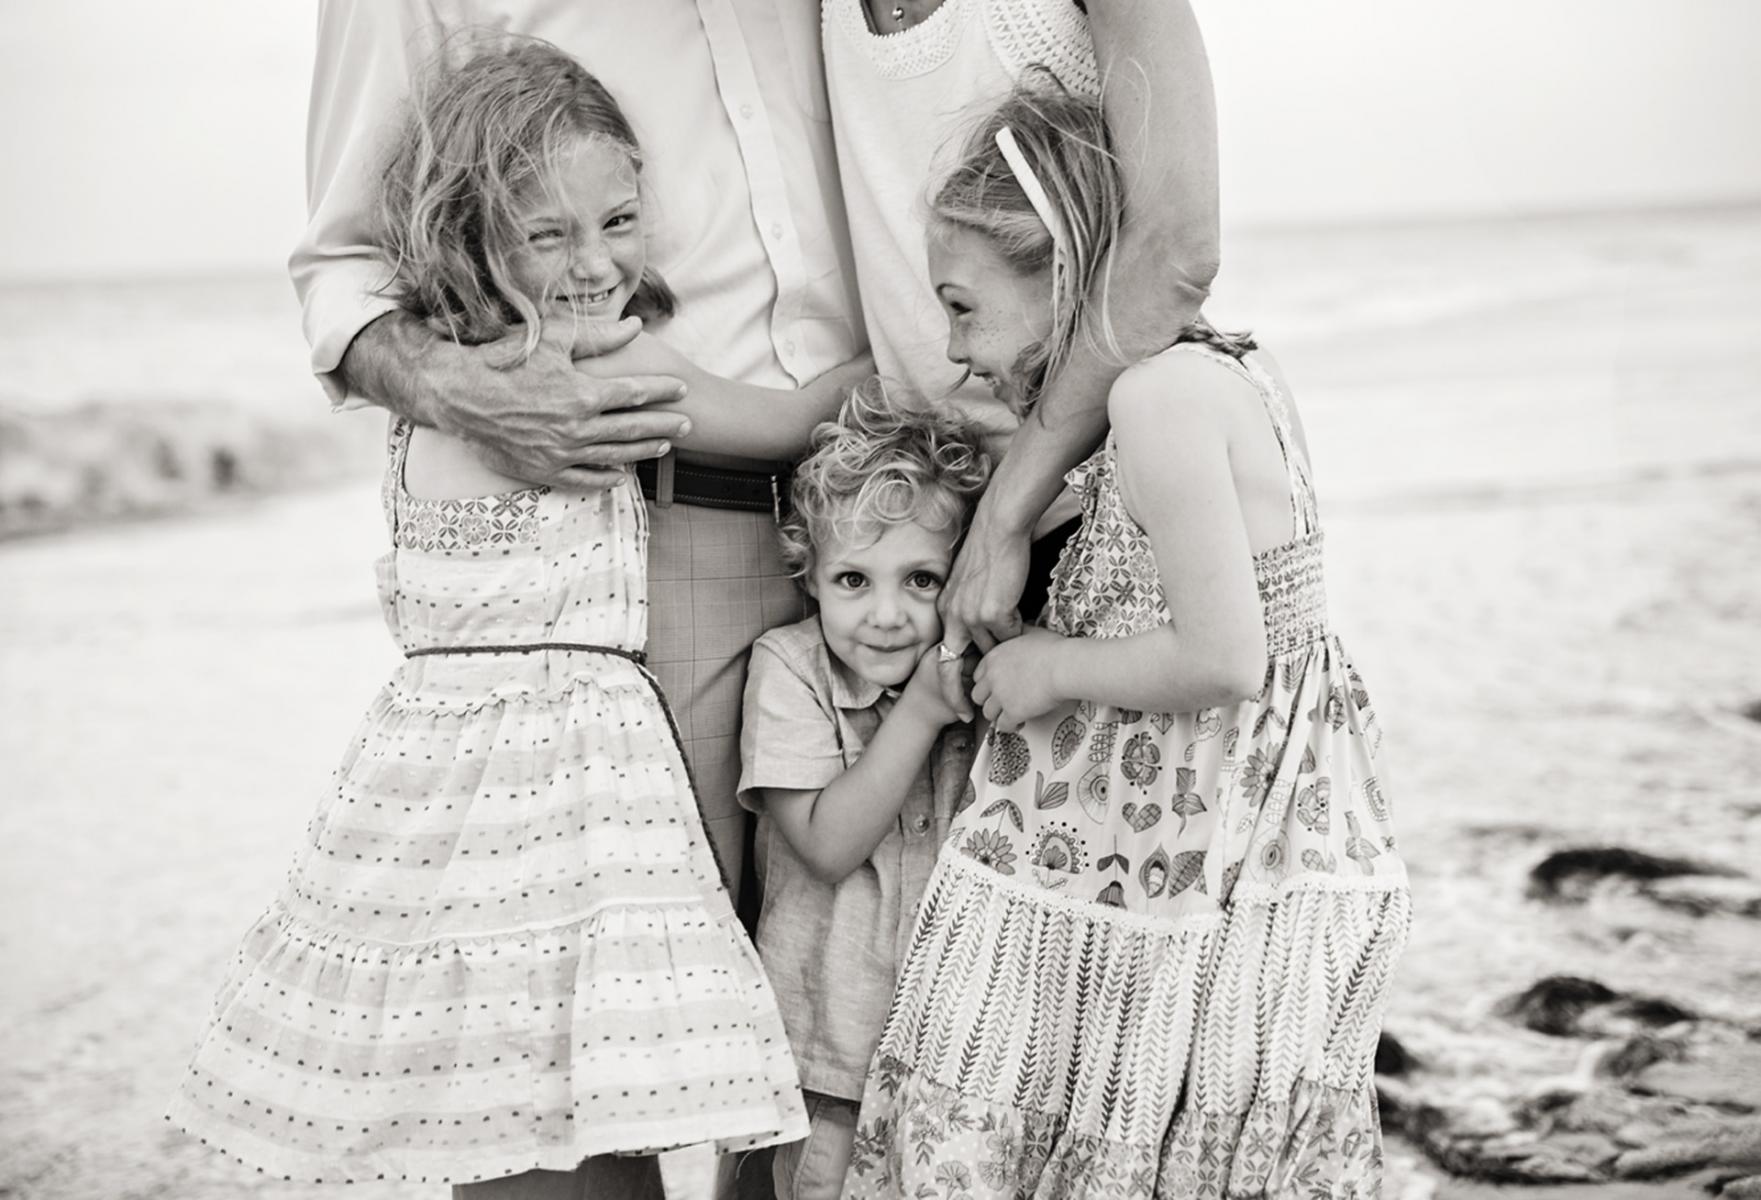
(1154, 954)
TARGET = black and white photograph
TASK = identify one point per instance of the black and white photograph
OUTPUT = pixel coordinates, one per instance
(881, 599)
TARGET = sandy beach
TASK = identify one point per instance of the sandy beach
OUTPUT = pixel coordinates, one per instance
(1538, 448)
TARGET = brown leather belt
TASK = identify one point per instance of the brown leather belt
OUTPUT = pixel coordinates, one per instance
(668, 481)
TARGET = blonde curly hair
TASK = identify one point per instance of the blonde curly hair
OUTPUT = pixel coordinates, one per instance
(887, 459)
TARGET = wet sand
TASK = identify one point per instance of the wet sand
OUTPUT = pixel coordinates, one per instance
(1544, 522)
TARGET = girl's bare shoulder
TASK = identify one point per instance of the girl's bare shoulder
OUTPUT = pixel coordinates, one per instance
(1186, 382)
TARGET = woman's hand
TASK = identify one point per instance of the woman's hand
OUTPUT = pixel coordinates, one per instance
(978, 602)
(1015, 680)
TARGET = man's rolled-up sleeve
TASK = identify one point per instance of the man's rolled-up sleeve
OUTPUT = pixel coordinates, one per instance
(367, 53)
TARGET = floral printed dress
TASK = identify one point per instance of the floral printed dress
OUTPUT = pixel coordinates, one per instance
(1153, 957)
(504, 943)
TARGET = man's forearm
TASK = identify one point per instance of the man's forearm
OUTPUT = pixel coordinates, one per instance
(390, 362)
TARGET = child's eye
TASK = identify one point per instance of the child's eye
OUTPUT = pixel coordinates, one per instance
(957, 308)
(925, 581)
(621, 221)
(542, 237)
(850, 579)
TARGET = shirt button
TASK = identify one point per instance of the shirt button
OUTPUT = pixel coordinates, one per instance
(746, 111)
(789, 346)
(920, 823)
(776, 229)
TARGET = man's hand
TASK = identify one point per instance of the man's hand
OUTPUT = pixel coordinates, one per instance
(540, 421)
(978, 603)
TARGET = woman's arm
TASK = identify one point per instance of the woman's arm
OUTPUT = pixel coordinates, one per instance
(740, 420)
(1156, 91)
(1170, 422)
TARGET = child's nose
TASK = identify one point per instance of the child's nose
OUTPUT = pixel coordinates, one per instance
(591, 259)
(887, 611)
(956, 347)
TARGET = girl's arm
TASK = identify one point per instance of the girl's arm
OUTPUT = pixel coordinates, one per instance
(1156, 91)
(741, 420)
(1170, 420)
(835, 829)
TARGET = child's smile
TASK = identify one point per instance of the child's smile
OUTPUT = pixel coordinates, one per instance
(583, 252)
(994, 314)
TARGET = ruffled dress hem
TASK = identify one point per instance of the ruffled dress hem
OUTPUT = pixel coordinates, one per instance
(309, 1012)
(1021, 1056)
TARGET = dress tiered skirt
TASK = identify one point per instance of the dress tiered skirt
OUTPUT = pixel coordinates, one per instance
(504, 946)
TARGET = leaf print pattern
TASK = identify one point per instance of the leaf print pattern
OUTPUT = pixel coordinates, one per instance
(1009, 808)
(1357, 847)
(1067, 740)
(1189, 868)
(967, 796)
(1153, 875)
(1187, 802)
(1372, 794)
(1100, 741)
(1049, 797)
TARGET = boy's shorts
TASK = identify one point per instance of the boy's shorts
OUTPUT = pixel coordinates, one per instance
(814, 1168)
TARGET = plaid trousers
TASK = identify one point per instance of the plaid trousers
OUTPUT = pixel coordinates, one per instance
(715, 582)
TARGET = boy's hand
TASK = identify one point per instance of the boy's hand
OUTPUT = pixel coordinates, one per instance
(925, 694)
(1014, 682)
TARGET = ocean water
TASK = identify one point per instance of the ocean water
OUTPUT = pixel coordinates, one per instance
(1431, 360)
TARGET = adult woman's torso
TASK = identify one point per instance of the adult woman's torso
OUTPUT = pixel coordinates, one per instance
(899, 105)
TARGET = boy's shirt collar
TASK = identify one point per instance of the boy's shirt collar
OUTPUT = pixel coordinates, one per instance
(851, 691)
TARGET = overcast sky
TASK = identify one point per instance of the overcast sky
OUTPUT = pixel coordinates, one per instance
(168, 139)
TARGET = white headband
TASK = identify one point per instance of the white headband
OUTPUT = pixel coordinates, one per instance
(1042, 205)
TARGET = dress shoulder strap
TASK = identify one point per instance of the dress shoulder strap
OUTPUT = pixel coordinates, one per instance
(397, 449)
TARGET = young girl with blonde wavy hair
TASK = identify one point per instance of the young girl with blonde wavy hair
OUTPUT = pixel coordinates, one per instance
(503, 957)
(1153, 958)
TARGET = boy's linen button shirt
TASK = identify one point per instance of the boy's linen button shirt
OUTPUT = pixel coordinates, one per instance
(832, 951)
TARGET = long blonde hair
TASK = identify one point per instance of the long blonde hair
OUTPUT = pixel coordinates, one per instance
(1063, 140)
(477, 137)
